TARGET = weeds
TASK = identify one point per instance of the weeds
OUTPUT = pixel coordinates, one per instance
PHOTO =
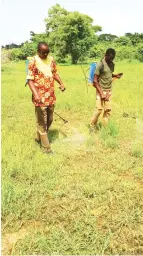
(109, 135)
(87, 198)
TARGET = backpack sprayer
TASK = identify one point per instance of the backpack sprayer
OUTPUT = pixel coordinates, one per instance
(27, 63)
(92, 72)
(90, 78)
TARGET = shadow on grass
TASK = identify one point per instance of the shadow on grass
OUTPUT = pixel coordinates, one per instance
(53, 135)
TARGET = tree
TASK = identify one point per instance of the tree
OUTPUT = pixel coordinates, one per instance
(36, 38)
(135, 38)
(56, 16)
(11, 46)
(139, 54)
(107, 37)
(28, 49)
(70, 33)
(123, 41)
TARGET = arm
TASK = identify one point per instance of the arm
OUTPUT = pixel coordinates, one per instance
(34, 91)
(30, 78)
(97, 86)
(119, 75)
(58, 79)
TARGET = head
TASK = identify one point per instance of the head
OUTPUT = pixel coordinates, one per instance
(43, 50)
(110, 55)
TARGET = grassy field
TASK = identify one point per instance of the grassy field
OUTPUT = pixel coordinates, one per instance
(87, 197)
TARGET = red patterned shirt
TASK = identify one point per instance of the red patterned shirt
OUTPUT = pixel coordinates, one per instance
(42, 72)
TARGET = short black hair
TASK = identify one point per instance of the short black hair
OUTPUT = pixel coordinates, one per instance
(110, 51)
(40, 44)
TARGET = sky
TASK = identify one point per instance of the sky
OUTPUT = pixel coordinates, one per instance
(19, 17)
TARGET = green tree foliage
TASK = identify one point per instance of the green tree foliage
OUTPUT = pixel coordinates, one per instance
(11, 46)
(135, 38)
(36, 38)
(97, 51)
(106, 37)
(27, 49)
(139, 52)
(70, 33)
(72, 36)
(124, 52)
(56, 16)
(123, 41)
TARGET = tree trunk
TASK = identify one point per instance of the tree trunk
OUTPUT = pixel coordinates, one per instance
(74, 58)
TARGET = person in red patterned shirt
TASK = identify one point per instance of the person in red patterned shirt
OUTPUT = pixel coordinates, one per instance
(42, 72)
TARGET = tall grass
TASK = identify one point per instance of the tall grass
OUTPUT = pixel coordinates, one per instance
(87, 197)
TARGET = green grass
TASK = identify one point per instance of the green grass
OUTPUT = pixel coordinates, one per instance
(87, 197)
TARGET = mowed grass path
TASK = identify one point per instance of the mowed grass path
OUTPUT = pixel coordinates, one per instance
(87, 197)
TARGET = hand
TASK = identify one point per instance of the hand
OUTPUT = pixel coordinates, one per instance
(107, 96)
(103, 96)
(119, 75)
(62, 88)
(94, 84)
(37, 99)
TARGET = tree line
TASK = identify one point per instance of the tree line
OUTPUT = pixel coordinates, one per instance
(72, 37)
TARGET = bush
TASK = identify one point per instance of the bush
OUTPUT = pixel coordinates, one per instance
(139, 53)
(124, 52)
(15, 54)
(96, 52)
(28, 49)
(5, 56)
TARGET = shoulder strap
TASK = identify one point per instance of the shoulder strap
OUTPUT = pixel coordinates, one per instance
(102, 67)
(27, 62)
